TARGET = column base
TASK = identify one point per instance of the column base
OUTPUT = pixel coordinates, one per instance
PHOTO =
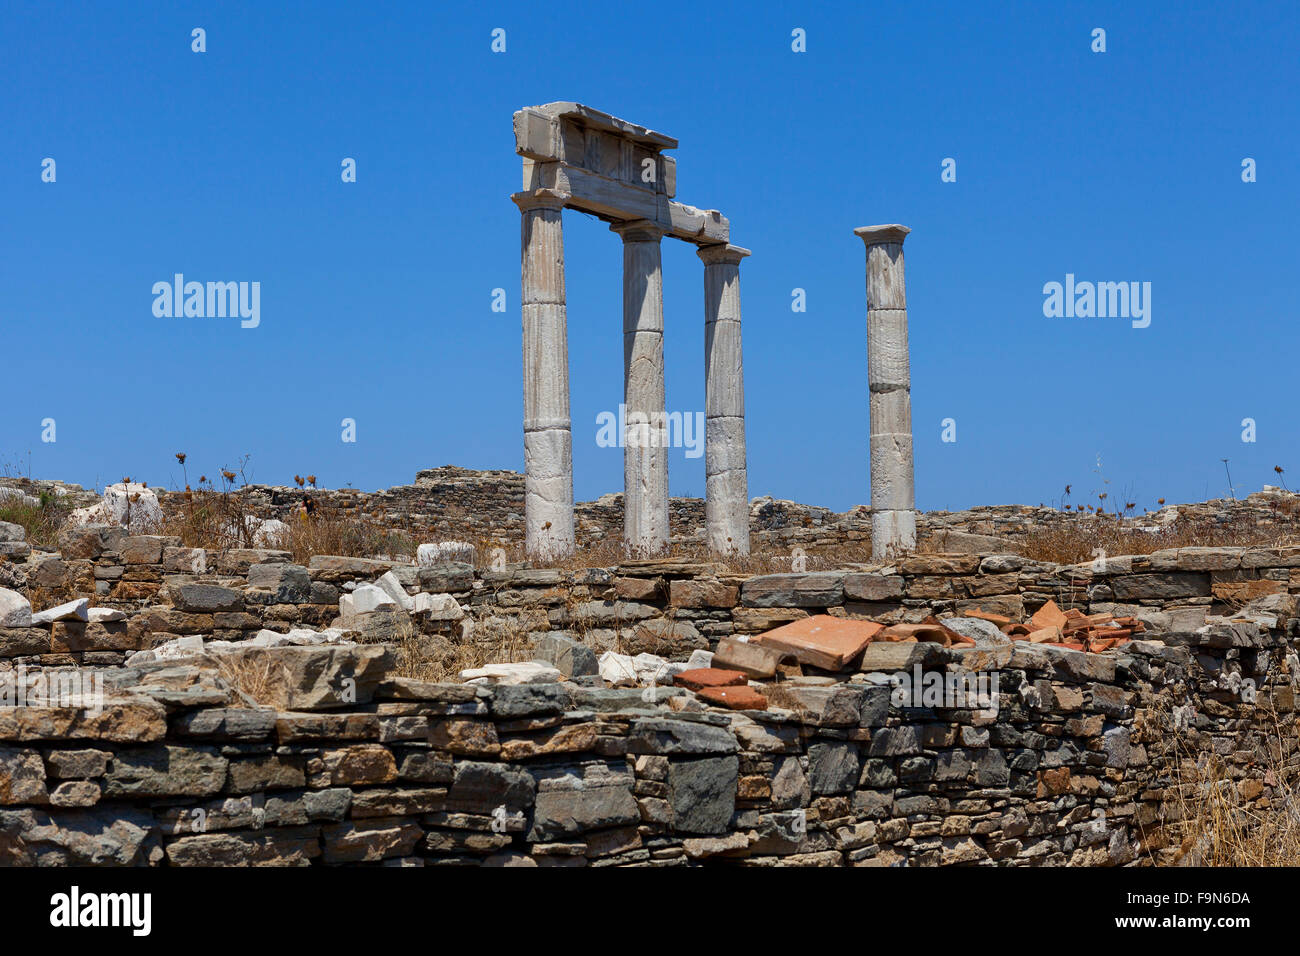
(892, 534)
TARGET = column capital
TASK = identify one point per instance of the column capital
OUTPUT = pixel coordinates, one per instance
(877, 235)
(639, 230)
(722, 253)
(540, 199)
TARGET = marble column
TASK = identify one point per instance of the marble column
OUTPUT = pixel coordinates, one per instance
(645, 452)
(893, 496)
(548, 438)
(726, 508)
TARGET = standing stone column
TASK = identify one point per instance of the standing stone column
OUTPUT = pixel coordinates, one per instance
(726, 508)
(645, 452)
(548, 439)
(893, 495)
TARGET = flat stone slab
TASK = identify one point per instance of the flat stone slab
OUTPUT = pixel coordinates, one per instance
(77, 610)
(891, 657)
(702, 677)
(736, 698)
(830, 643)
(526, 672)
(816, 589)
(206, 598)
(752, 660)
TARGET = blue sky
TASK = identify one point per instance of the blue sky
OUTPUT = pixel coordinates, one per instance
(376, 295)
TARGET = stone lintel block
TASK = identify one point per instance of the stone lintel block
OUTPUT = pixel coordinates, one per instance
(816, 589)
(536, 134)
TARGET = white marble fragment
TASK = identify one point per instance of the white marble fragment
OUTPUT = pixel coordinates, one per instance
(77, 610)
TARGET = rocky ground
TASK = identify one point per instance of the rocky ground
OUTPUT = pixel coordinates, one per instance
(485, 508)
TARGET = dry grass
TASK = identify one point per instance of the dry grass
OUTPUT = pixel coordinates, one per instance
(440, 659)
(1217, 821)
(219, 519)
(206, 520)
(257, 677)
(1078, 538)
(41, 522)
(780, 695)
(347, 533)
(213, 515)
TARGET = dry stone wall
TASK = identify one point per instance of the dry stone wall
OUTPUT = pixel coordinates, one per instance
(352, 763)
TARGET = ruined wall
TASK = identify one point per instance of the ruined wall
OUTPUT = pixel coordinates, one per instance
(649, 606)
(1076, 768)
(353, 764)
(453, 502)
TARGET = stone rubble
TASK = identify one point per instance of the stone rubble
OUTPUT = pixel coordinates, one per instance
(15, 610)
(125, 504)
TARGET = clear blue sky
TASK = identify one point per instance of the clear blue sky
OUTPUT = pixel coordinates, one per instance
(376, 296)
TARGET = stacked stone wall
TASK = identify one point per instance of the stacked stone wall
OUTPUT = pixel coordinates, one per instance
(353, 763)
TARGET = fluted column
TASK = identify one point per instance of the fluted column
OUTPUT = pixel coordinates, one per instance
(893, 495)
(726, 507)
(548, 438)
(645, 452)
